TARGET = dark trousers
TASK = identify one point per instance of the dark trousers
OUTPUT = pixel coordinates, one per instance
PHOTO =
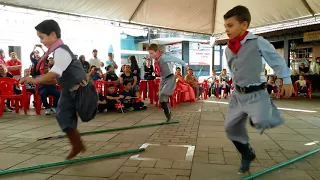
(303, 89)
(111, 105)
(227, 87)
(49, 91)
(136, 105)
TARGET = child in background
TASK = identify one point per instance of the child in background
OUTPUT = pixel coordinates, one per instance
(302, 85)
(271, 85)
(127, 98)
(109, 102)
(29, 86)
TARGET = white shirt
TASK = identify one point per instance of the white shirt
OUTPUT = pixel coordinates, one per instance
(95, 62)
(62, 60)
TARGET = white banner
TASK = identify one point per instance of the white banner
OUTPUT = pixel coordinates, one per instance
(200, 53)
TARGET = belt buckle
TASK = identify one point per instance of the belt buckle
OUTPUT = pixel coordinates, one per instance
(243, 90)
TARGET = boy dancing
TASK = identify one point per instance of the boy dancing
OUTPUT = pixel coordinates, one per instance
(244, 56)
(163, 67)
(78, 97)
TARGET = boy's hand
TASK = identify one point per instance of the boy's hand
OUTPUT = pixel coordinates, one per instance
(28, 80)
(128, 97)
(287, 90)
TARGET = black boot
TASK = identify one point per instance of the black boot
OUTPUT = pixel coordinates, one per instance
(247, 155)
(166, 110)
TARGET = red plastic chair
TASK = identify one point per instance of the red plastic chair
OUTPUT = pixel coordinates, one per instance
(27, 99)
(309, 90)
(98, 85)
(7, 92)
(143, 88)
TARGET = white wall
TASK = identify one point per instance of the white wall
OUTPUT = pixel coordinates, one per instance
(82, 37)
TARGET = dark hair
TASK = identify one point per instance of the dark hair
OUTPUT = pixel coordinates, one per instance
(125, 83)
(49, 26)
(240, 12)
(80, 58)
(190, 69)
(133, 60)
(110, 54)
(178, 68)
(93, 66)
(122, 67)
(317, 58)
(94, 50)
(108, 67)
(110, 85)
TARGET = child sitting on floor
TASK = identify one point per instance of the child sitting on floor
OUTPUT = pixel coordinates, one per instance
(271, 86)
(109, 102)
(302, 85)
(127, 98)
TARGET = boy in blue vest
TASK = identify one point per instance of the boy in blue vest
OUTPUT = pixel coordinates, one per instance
(78, 96)
(250, 99)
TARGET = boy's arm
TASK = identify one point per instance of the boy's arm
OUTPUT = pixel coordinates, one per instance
(274, 60)
(167, 58)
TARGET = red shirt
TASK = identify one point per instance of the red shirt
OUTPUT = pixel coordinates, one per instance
(14, 63)
(2, 61)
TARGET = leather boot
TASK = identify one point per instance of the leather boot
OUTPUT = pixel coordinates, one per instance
(76, 142)
(166, 110)
(247, 155)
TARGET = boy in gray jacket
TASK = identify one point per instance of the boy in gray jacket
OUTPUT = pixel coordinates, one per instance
(250, 99)
(163, 67)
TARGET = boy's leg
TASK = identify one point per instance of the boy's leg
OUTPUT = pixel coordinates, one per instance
(261, 110)
(167, 87)
(68, 121)
(236, 131)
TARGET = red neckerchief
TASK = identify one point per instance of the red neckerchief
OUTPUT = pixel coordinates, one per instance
(235, 44)
(156, 64)
(42, 65)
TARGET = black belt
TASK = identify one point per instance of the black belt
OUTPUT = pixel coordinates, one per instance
(169, 76)
(250, 89)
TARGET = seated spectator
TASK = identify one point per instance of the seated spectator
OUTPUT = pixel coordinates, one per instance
(46, 90)
(95, 73)
(110, 74)
(109, 102)
(189, 95)
(50, 62)
(271, 85)
(29, 87)
(223, 83)
(127, 98)
(5, 74)
(130, 77)
(302, 85)
(192, 80)
(14, 66)
(212, 88)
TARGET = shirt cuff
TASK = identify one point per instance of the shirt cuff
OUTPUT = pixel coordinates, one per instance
(287, 80)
